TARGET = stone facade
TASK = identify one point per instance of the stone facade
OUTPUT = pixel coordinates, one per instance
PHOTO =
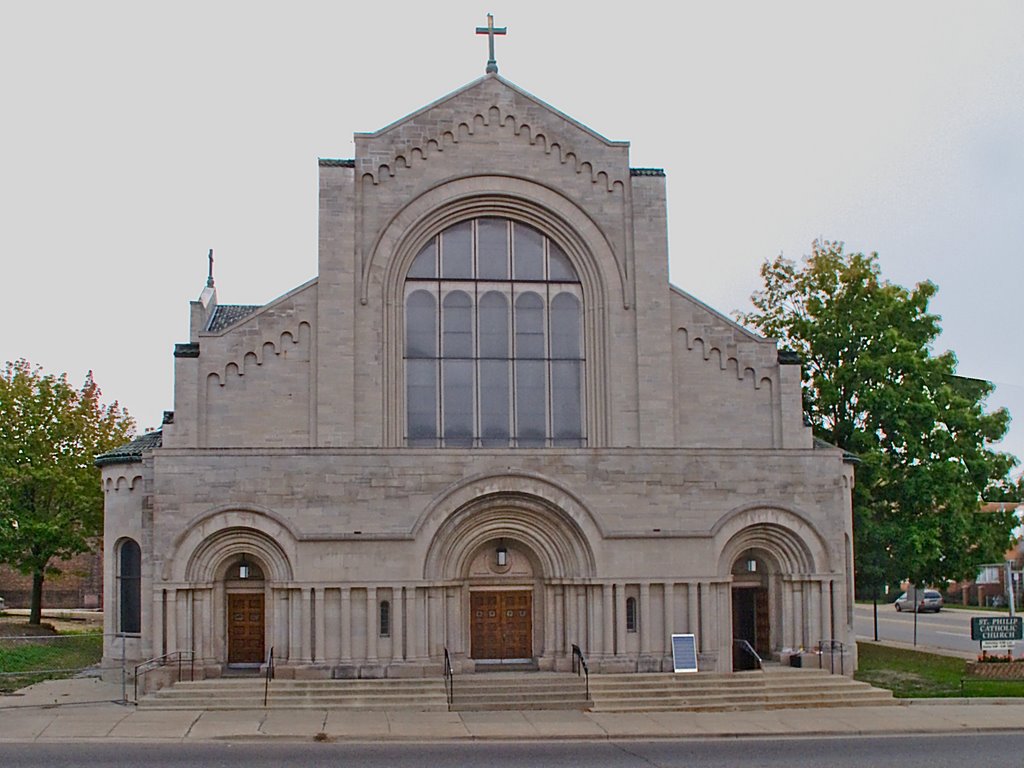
(690, 499)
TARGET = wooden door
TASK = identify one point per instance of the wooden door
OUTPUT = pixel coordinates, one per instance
(501, 625)
(245, 629)
(762, 624)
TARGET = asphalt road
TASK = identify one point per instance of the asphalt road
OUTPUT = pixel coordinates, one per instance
(950, 629)
(905, 751)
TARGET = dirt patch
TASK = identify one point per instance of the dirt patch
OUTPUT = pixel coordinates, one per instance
(17, 626)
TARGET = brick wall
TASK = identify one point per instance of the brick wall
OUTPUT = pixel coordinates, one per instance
(79, 585)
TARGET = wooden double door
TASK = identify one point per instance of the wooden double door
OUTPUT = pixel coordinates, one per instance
(501, 624)
(246, 629)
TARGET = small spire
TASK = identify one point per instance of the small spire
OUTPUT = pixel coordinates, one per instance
(209, 277)
(490, 30)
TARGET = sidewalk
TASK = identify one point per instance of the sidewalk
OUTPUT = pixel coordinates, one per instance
(85, 710)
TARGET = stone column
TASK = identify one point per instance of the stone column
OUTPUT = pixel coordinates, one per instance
(414, 601)
(205, 623)
(320, 623)
(571, 628)
(331, 631)
(279, 601)
(307, 624)
(620, 619)
(669, 613)
(786, 613)
(372, 624)
(346, 624)
(295, 625)
(158, 623)
(172, 621)
(608, 619)
(187, 623)
(582, 631)
(692, 610)
(549, 621)
(397, 625)
(593, 631)
(826, 610)
(707, 623)
(644, 623)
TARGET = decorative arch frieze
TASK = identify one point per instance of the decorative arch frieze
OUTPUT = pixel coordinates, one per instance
(212, 539)
(531, 509)
(741, 367)
(374, 170)
(286, 341)
(789, 537)
(559, 545)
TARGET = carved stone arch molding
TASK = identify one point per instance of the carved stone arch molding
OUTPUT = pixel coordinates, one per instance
(557, 538)
(201, 554)
(543, 208)
(791, 540)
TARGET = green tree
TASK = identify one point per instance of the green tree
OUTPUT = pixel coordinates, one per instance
(51, 504)
(874, 387)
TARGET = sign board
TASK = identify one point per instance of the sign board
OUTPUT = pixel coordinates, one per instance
(996, 628)
(997, 645)
(684, 653)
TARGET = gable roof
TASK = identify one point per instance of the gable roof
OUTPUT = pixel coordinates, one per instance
(480, 82)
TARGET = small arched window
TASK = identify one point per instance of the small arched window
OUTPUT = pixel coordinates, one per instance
(129, 587)
(385, 618)
(494, 347)
(631, 614)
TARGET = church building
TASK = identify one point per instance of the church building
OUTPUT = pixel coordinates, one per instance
(488, 428)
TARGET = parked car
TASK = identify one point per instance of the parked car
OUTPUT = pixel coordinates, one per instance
(927, 600)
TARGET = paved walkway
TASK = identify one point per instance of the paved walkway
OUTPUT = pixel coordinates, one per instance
(85, 709)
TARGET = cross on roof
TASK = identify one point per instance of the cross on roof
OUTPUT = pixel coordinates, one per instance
(490, 30)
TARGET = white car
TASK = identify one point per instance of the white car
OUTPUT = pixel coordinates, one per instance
(927, 600)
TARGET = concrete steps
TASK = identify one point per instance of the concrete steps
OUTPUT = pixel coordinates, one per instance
(710, 692)
(504, 691)
(778, 688)
(247, 693)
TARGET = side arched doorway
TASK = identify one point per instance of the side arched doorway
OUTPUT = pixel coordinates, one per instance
(752, 574)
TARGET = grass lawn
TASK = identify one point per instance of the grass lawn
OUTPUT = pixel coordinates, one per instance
(913, 674)
(24, 661)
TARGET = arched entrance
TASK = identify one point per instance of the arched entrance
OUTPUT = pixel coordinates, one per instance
(518, 560)
(779, 600)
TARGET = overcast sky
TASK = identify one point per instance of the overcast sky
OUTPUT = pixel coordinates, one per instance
(135, 136)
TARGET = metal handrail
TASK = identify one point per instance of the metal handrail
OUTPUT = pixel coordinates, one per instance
(449, 679)
(831, 646)
(579, 662)
(268, 676)
(746, 646)
(162, 661)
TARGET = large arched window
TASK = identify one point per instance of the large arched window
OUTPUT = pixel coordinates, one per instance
(494, 353)
(129, 583)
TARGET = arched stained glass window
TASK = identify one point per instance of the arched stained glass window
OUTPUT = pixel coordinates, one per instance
(494, 348)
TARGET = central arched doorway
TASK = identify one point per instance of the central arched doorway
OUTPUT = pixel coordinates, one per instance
(501, 603)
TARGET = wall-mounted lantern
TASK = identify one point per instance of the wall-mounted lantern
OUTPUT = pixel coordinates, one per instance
(243, 569)
(502, 554)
